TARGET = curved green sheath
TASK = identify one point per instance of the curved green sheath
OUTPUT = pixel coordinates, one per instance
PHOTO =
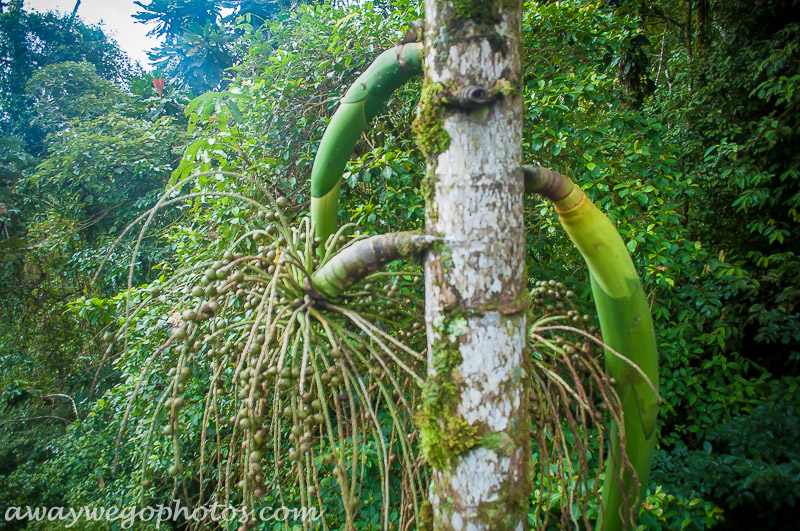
(360, 104)
(627, 328)
(353, 263)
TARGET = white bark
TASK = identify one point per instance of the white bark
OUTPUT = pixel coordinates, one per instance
(475, 282)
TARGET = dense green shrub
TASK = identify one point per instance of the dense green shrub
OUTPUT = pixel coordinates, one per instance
(749, 464)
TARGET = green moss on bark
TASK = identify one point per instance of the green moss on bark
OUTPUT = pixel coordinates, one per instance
(444, 435)
(505, 88)
(427, 188)
(426, 516)
(428, 126)
(443, 439)
(503, 513)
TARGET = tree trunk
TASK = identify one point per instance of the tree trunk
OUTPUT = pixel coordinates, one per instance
(687, 31)
(74, 13)
(702, 27)
(474, 420)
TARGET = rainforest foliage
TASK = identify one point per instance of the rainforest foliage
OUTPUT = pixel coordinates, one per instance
(678, 118)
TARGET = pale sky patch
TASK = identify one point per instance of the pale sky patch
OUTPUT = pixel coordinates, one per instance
(116, 17)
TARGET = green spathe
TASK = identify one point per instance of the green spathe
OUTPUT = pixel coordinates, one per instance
(627, 327)
(359, 105)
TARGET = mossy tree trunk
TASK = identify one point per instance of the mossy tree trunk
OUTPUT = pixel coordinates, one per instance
(474, 420)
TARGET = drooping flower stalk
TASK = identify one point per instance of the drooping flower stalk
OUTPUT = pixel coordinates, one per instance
(627, 327)
(289, 383)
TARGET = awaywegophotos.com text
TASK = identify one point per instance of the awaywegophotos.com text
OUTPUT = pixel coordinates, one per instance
(160, 514)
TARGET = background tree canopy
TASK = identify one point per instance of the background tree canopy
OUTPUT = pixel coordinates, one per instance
(678, 118)
(201, 35)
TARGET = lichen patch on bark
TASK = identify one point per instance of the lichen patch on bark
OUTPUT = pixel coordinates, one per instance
(492, 371)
